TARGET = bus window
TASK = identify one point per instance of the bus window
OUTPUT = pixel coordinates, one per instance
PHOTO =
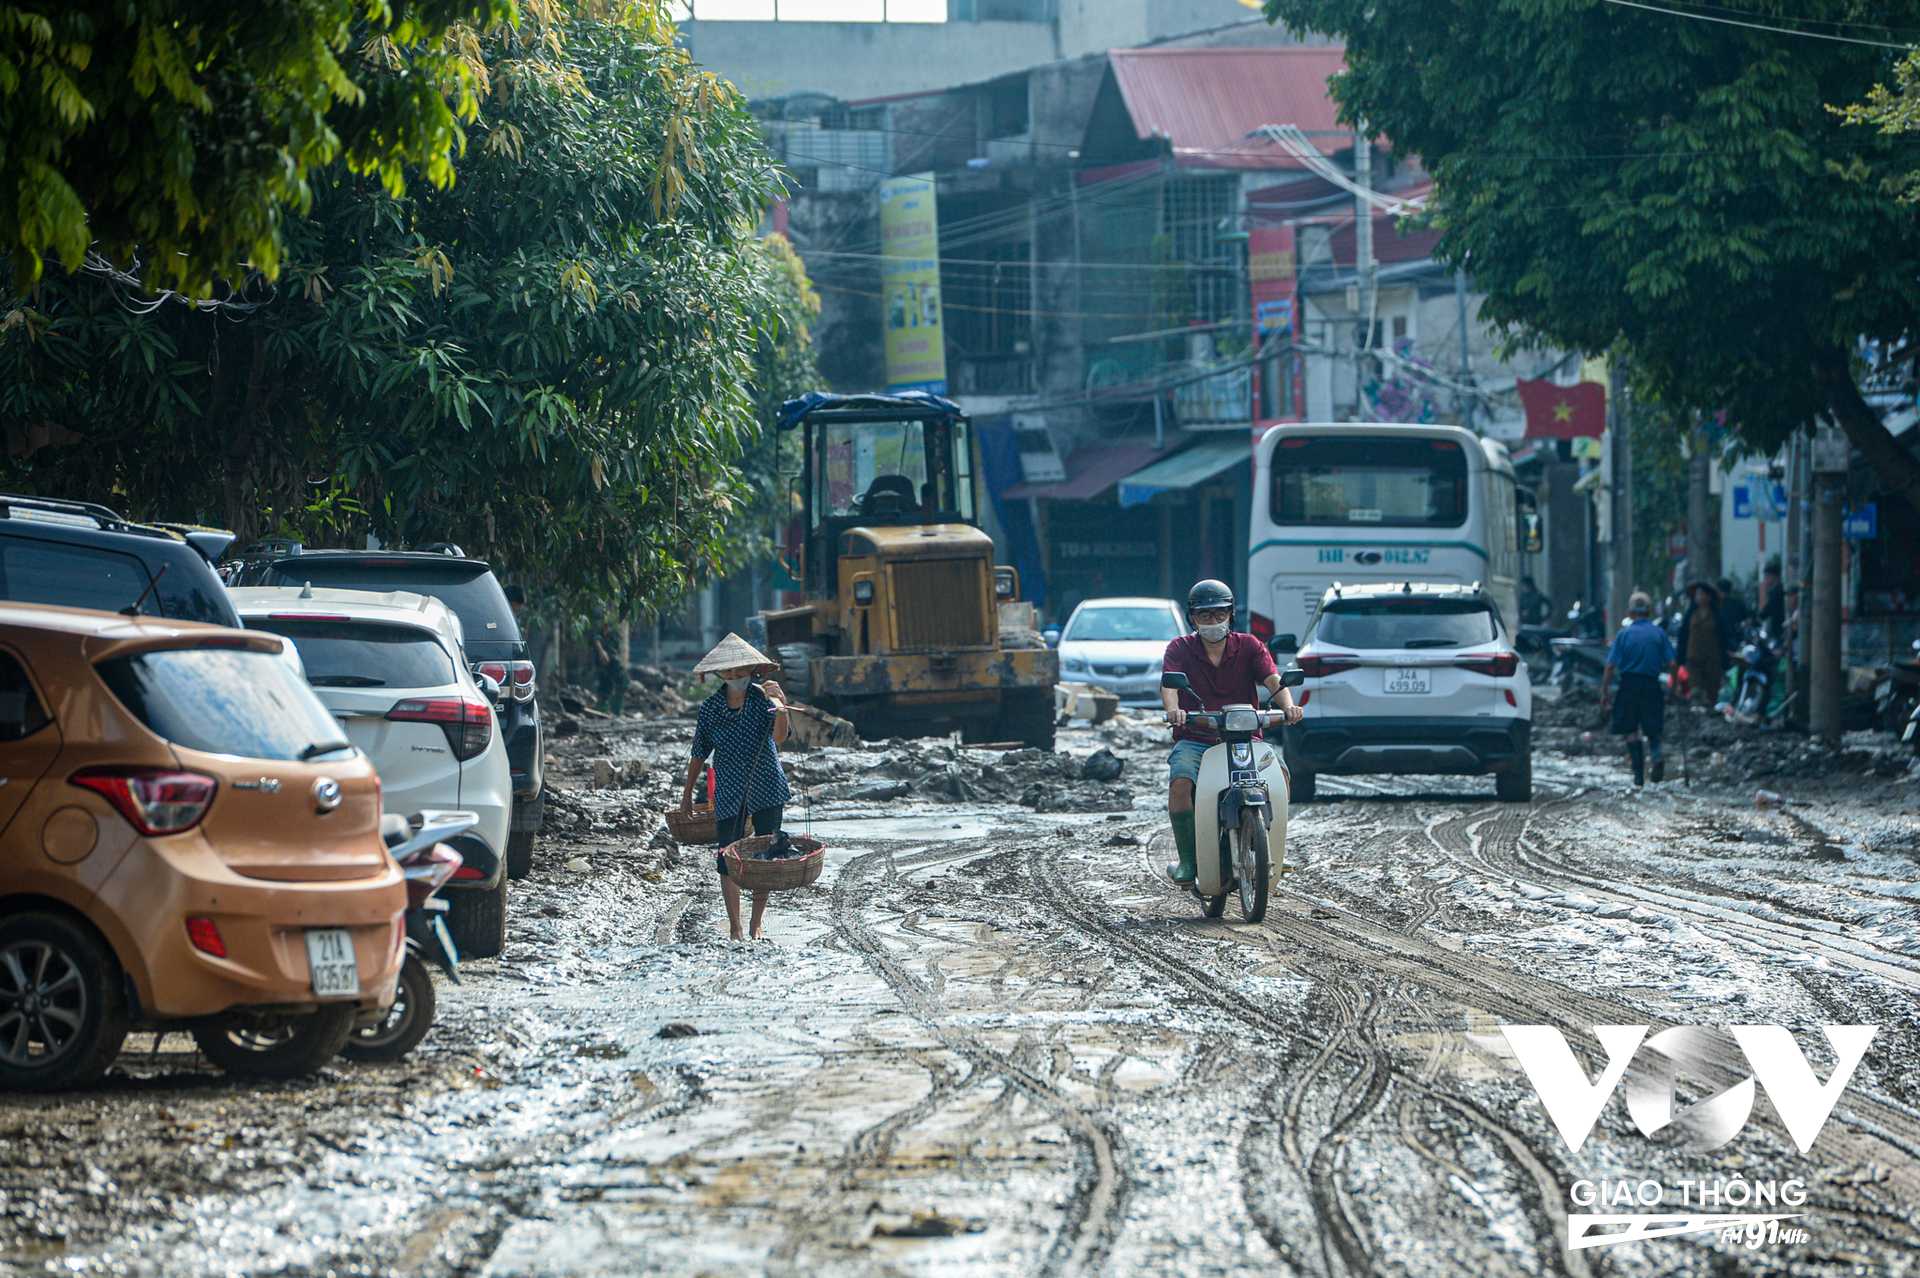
(1377, 481)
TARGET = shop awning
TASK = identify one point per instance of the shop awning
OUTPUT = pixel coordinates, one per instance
(1196, 465)
(1090, 472)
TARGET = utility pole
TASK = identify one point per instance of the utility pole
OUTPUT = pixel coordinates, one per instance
(1703, 513)
(1620, 548)
(1829, 491)
(1466, 352)
(1363, 261)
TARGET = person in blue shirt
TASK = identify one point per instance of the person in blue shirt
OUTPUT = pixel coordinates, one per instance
(1640, 653)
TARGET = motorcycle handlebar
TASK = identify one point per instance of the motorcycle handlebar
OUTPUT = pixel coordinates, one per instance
(1217, 718)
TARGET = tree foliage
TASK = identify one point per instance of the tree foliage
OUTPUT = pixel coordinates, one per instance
(173, 133)
(1607, 172)
(549, 361)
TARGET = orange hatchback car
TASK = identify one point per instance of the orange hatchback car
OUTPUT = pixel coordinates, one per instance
(187, 841)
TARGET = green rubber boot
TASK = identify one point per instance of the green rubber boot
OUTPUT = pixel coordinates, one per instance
(1183, 873)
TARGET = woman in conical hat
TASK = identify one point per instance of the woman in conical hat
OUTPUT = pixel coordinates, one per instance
(741, 727)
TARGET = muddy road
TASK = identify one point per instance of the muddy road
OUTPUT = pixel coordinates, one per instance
(994, 1040)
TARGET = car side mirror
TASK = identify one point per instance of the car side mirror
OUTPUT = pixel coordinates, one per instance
(1052, 635)
(1292, 677)
(1174, 679)
(1284, 643)
(490, 686)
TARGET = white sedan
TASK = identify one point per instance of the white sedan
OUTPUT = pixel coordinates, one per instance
(1117, 644)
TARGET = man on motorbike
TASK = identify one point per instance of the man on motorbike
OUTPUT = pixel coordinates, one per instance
(1223, 668)
(1640, 652)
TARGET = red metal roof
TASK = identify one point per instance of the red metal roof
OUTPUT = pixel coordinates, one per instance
(1206, 101)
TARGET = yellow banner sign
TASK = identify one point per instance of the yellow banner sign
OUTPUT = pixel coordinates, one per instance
(910, 284)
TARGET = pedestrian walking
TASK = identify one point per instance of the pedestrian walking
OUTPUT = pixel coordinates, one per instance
(1640, 653)
(1701, 646)
(610, 669)
(741, 727)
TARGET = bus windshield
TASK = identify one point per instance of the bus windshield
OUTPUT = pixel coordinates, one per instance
(1380, 482)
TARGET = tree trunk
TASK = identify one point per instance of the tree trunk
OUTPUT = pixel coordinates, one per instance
(1896, 470)
(1703, 513)
(1827, 684)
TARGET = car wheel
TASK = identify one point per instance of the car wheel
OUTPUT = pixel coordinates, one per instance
(477, 921)
(520, 853)
(277, 1044)
(1515, 785)
(63, 1010)
(405, 1024)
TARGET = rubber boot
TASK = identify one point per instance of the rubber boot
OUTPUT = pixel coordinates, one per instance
(1183, 873)
(1657, 770)
(1637, 751)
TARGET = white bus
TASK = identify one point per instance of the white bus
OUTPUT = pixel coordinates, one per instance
(1376, 501)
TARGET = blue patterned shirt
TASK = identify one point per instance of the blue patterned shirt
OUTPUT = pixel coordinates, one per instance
(732, 737)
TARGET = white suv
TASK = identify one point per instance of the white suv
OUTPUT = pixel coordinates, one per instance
(1412, 678)
(392, 668)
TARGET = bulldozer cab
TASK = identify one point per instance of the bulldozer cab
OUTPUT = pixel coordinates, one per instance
(878, 461)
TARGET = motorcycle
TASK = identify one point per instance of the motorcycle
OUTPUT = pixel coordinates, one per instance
(1239, 805)
(1581, 657)
(1896, 693)
(427, 863)
(1754, 665)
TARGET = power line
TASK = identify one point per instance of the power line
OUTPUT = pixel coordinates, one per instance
(1756, 26)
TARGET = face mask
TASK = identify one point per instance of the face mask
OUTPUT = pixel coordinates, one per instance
(740, 684)
(1214, 634)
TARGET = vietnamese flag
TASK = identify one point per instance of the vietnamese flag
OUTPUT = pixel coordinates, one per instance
(1563, 412)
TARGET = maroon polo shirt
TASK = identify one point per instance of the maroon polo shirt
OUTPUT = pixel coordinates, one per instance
(1244, 666)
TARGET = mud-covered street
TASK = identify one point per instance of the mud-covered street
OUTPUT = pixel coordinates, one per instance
(994, 1040)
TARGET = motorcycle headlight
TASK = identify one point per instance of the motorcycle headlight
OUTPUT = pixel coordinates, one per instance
(1241, 721)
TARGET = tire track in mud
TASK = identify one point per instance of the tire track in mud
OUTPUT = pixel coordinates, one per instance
(1373, 1075)
(1097, 1209)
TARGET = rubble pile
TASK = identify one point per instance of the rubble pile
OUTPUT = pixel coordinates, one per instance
(1720, 749)
(941, 772)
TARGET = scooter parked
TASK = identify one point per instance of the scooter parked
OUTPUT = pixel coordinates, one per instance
(1754, 668)
(1896, 693)
(1581, 658)
(1239, 805)
(427, 864)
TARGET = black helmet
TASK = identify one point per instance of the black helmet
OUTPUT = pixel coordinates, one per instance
(1209, 594)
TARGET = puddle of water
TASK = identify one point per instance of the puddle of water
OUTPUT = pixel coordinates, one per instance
(933, 826)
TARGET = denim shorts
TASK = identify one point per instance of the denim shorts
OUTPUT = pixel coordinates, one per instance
(1184, 761)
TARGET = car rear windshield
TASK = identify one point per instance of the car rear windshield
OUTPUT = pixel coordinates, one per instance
(363, 654)
(73, 575)
(474, 595)
(1105, 624)
(1375, 481)
(224, 701)
(1404, 623)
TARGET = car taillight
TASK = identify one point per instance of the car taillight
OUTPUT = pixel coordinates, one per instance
(468, 724)
(1262, 627)
(1500, 665)
(152, 800)
(522, 680)
(494, 670)
(1314, 666)
(205, 935)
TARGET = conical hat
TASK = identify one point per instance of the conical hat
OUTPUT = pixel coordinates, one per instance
(731, 653)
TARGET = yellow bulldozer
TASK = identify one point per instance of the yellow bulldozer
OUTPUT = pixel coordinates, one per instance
(901, 629)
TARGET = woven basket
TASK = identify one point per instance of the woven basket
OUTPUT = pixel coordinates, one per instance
(753, 875)
(697, 826)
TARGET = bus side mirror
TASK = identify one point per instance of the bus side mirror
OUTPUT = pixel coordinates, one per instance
(1526, 510)
(1292, 677)
(1283, 643)
(1173, 679)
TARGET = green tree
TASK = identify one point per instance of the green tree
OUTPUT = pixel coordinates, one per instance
(172, 134)
(549, 361)
(1607, 172)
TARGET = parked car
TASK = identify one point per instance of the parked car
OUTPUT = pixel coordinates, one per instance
(391, 668)
(1413, 678)
(1117, 644)
(495, 646)
(187, 841)
(80, 555)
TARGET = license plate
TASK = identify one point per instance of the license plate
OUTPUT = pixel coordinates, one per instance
(1409, 679)
(1237, 777)
(330, 957)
